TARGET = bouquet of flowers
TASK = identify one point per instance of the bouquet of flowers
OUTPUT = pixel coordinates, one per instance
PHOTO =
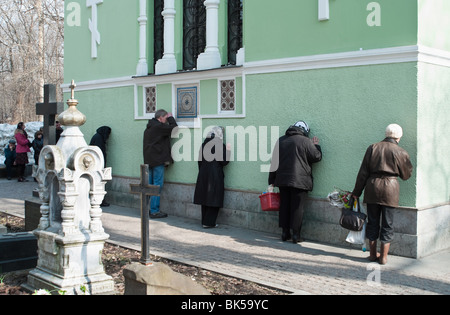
(340, 198)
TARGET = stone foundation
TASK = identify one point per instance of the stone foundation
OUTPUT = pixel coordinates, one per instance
(419, 232)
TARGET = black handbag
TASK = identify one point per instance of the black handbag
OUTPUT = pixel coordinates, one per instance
(351, 220)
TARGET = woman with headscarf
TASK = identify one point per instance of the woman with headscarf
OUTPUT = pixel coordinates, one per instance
(382, 164)
(291, 171)
(22, 149)
(210, 187)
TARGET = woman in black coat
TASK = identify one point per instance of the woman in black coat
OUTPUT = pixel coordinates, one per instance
(100, 139)
(210, 188)
(291, 171)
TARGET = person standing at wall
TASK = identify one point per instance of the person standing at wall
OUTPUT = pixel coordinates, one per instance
(22, 149)
(157, 154)
(383, 163)
(210, 187)
(291, 171)
(99, 139)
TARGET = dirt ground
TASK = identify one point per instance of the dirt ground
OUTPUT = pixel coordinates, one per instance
(116, 258)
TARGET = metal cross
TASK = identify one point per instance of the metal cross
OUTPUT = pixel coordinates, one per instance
(145, 190)
(49, 109)
(72, 87)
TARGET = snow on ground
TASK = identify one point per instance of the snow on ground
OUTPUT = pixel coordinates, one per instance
(7, 133)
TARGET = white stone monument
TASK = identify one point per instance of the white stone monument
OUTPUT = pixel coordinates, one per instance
(72, 178)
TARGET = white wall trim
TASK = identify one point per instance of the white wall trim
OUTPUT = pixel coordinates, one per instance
(434, 56)
(346, 59)
(335, 60)
(100, 84)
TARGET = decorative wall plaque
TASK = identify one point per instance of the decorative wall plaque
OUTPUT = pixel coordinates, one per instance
(187, 102)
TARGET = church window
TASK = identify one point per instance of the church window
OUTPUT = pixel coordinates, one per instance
(150, 100)
(158, 30)
(234, 29)
(194, 32)
(227, 96)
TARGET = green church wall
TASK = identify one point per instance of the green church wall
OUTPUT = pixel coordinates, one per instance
(346, 30)
(348, 107)
(118, 49)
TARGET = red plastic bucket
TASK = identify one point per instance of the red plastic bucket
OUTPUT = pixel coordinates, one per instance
(270, 201)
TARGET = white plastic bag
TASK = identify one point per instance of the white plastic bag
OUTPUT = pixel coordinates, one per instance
(358, 238)
(354, 237)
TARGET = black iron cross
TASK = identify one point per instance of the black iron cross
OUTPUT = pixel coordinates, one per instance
(145, 190)
(49, 109)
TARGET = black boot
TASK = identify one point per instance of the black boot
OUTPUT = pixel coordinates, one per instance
(286, 235)
(296, 237)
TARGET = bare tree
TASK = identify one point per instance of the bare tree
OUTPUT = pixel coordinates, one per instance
(31, 53)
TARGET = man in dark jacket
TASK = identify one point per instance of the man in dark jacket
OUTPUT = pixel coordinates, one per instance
(291, 171)
(157, 153)
(383, 163)
(99, 139)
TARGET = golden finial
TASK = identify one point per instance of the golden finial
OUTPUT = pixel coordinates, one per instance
(72, 116)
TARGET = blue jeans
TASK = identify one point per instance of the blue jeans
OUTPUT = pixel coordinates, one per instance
(156, 177)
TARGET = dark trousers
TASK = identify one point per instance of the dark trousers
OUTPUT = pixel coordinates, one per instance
(292, 201)
(385, 231)
(9, 169)
(21, 170)
(209, 215)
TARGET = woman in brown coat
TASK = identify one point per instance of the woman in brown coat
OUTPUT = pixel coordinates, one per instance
(383, 163)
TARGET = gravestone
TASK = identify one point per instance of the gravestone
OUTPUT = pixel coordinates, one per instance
(32, 212)
(159, 279)
(71, 179)
(49, 109)
(18, 251)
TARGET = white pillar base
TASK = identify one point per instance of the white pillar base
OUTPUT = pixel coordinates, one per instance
(166, 65)
(209, 60)
(240, 57)
(142, 68)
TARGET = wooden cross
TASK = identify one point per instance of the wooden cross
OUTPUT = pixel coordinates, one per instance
(145, 190)
(49, 109)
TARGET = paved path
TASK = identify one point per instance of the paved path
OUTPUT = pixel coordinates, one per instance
(306, 268)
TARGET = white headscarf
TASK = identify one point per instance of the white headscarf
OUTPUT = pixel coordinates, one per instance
(217, 131)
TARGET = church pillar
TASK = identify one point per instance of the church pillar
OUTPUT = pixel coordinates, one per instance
(142, 67)
(211, 59)
(168, 64)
